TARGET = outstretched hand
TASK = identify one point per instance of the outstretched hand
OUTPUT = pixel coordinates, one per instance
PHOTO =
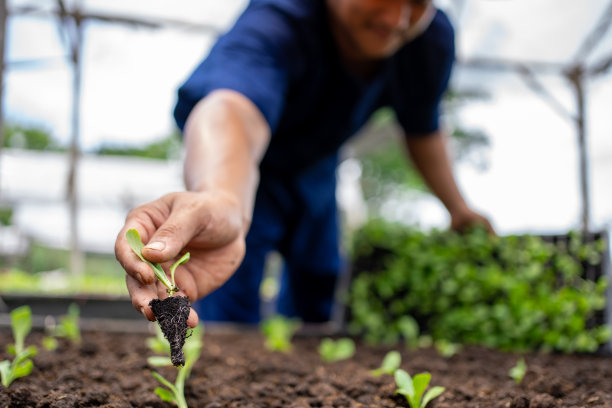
(208, 225)
(463, 220)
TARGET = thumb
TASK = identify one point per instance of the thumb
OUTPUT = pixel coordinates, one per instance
(169, 240)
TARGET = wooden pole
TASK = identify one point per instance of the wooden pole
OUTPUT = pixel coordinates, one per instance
(73, 28)
(3, 17)
(576, 79)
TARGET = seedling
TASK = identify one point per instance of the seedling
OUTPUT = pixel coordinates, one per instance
(447, 348)
(171, 313)
(133, 238)
(414, 388)
(21, 323)
(278, 331)
(390, 363)
(518, 371)
(337, 350)
(68, 326)
(175, 393)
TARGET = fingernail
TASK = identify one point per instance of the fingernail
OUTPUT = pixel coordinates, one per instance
(139, 278)
(142, 311)
(155, 246)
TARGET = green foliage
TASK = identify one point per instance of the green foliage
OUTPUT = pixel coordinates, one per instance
(68, 326)
(518, 371)
(6, 215)
(332, 350)
(61, 282)
(413, 389)
(278, 332)
(390, 363)
(50, 343)
(158, 344)
(513, 293)
(21, 365)
(175, 392)
(133, 238)
(447, 348)
(166, 148)
(30, 138)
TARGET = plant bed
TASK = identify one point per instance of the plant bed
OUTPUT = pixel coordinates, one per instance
(235, 370)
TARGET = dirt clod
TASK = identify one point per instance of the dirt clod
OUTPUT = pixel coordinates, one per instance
(171, 314)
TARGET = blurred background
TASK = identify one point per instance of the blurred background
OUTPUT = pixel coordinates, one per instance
(88, 89)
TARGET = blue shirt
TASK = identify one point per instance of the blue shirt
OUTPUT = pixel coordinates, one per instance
(282, 56)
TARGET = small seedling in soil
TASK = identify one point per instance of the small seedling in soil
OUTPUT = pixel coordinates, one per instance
(390, 363)
(175, 393)
(447, 348)
(335, 350)
(68, 328)
(518, 371)
(171, 313)
(414, 388)
(278, 331)
(21, 323)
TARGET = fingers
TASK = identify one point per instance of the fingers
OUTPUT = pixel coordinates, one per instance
(141, 296)
(134, 267)
(177, 230)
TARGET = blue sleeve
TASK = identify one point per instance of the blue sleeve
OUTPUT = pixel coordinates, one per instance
(252, 58)
(424, 76)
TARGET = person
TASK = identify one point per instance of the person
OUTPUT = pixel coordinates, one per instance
(263, 118)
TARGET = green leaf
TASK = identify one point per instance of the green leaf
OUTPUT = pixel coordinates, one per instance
(30, 351)
(341, 349)
(159, 361)
(403, 382)
(420, 383)
(431, 394)
(22, 369)
(163, 381)
(68, 326)
(518, 371)
(390, 363)
(133, 238)
(164, 394)
(21, 321)
(5, 373)
(182, 260)
(278, 331)
(49, 343)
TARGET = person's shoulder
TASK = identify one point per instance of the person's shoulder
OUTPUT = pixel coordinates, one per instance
(290, 11)
(277, 21)
(440, 31)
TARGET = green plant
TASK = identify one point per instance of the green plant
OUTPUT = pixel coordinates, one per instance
(68, 326)
(21, 324)
(390, 363)
(332, 350)
(278, 331)
(447, 348)
(175, 392)
(172, 312)
(133, 238)
(518, 371)
(414, 388)
(512, 293)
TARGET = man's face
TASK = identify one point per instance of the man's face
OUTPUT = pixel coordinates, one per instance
(374, 29)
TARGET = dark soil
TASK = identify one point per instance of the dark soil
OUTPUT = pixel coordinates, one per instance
(235, 370)
(171, 314)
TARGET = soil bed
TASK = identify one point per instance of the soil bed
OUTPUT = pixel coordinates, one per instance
(235, 370)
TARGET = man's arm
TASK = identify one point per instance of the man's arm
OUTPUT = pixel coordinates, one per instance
(225, 138)
(430, 156)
